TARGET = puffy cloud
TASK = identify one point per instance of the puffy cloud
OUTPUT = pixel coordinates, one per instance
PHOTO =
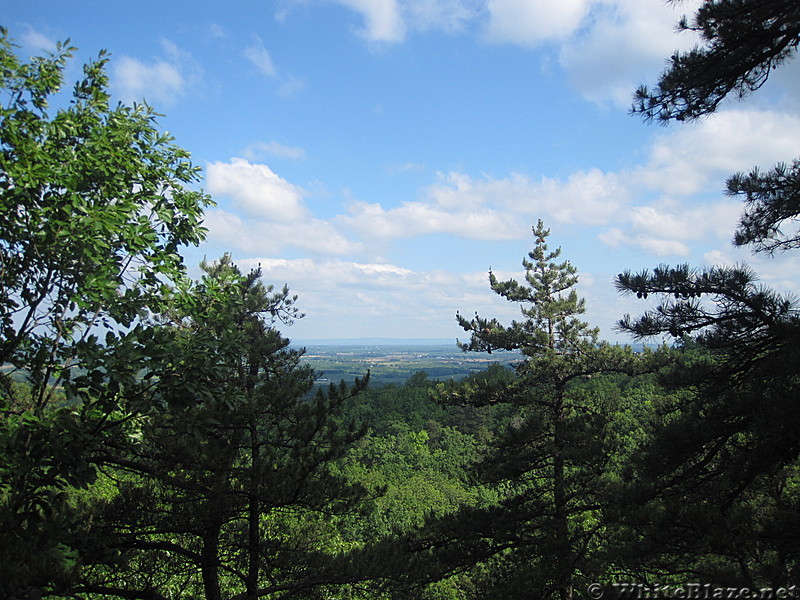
(531, 23)
(606, 47)
(686, 222)
(257, 236)
(274, 215)
(333, 276)
(354, 299)
(688, 159)
(621, 44)
(586, 198)
(666, 227)
(668, 216)
(447, 15)
(257, 190)
(390, 20)
(492, 209)
(162, 81)
(662, 247)
(419, 218)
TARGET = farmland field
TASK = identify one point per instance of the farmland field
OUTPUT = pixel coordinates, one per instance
(396, 362)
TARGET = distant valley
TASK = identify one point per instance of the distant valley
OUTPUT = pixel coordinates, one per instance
(394, 361)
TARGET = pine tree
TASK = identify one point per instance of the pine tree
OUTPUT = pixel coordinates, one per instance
(753, 331)
(743, 42)
(223, 494)
(735, 437)
(554, 462)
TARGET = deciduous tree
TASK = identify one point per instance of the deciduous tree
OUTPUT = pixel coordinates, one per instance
(95, 204)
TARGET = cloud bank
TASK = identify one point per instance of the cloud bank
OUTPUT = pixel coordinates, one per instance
(605, 47)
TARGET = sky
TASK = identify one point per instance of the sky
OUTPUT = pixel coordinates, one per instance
(380, 156)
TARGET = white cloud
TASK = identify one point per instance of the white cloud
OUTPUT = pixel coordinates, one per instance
(266, 214)
(353, 299)
(686, 221)
(530, 23)
(587, 197)
(256, 237)
(383, 20)
(662, 247)
(37, 40)
(692, 157)
(257, 190)
(614, 237)
(259, 56)
(162, 81)
(606, 47)
(689, 161)
(389, 21)
(718, 257)
(492, 209)
(447, 15)
(273, 148)
(411, 219)
(622, 44)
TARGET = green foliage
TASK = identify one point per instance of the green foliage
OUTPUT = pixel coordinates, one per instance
(416, 474)
(731, 444)
(547, 302)
(95, 206)
(743, 41)
(231, 474)
(415, 405)
(557, 463)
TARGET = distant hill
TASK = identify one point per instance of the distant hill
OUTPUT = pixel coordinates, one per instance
(413, 342)
(376, 341)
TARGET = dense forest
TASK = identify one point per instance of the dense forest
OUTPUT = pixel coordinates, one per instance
(161, 439)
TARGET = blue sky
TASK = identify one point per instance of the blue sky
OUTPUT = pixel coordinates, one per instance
(380, 155)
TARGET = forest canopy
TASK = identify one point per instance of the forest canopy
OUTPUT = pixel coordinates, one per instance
(160, 438)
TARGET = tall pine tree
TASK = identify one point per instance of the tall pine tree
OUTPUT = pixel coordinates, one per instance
(554, 464)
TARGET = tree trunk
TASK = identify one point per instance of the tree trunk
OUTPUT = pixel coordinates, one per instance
(253, 516)
(209, 563)
(563, 566)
